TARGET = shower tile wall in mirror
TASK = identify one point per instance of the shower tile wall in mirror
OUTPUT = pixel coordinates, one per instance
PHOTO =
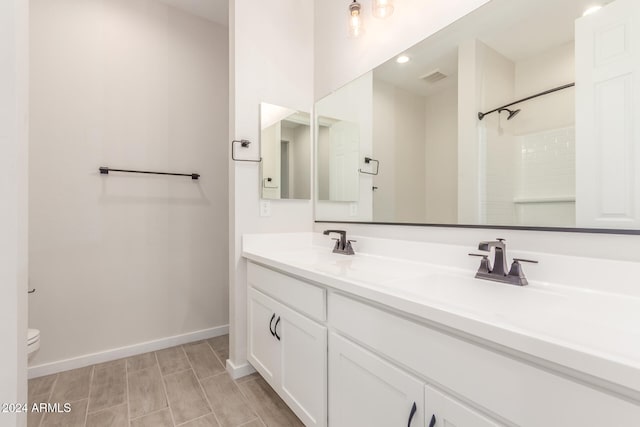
(484, 125)
(285, 141)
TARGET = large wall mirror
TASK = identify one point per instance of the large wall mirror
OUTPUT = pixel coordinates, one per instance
(285, 141)
(521, 114)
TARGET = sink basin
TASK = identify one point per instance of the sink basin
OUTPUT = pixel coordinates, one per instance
(368, 269)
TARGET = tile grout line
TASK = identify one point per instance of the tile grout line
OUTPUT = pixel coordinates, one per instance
(53, 386)
(249, 400)
(195, 419)
(257, 418)
(164, 387)
(215, 353)
(176, 372)
(96, 369)
(204, 393)
(126, 378)
(86, 411)
(150, 413)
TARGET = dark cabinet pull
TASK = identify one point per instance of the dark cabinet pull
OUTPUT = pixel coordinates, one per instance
(414, 408)
(275, 329)
(271, 325)
(432, 423)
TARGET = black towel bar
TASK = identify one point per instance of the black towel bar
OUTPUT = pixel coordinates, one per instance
(105, 171)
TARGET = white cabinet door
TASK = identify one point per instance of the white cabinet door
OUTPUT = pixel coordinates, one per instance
(263, 346)
(607, 109)
(443, 411)
(364, 390)
(303, 366)
(290, 351)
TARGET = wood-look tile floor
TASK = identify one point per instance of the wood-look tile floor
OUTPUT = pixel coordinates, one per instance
(179, 386)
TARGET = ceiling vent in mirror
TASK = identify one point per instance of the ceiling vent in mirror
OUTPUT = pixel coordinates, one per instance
(433, 77)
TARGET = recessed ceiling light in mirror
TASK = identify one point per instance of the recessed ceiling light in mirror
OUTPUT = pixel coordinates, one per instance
(403, 59)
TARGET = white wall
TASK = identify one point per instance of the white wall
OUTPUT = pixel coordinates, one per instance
(441, 156)
(399, 143)
(410, 148)
(14, 69)
(339, 60)
(270, 138)
(322, 159)
(497, 83)
(352, 103)
(123, 259)
(301, 175)
(552, 68)
(384, 150)
(545, 143)
(271, 54)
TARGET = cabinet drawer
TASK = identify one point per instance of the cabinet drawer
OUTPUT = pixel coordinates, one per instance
(505, 387)
(301, 296)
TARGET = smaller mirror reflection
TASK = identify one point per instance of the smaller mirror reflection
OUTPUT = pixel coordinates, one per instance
(285, 139)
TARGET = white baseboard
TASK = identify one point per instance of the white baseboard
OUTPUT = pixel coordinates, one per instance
(119, 353)
(239, 371)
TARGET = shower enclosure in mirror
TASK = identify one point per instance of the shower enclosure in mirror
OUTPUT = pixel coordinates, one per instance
(521, 114)
(285, 140)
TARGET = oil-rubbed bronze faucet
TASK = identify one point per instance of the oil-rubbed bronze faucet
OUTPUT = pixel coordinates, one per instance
(498, 273)
(342, 246)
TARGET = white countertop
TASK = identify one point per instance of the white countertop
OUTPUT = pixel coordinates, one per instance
(590, 332)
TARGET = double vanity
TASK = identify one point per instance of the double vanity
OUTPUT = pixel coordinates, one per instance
(402, 333)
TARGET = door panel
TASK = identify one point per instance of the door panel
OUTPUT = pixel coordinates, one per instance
(304, 366)
(364, 390)
(264, 348)
(443, 411)
(607, 105)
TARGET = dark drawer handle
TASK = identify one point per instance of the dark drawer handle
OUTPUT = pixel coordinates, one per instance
(271, 325)
(432, 423)
(414, 408)
(275, 329)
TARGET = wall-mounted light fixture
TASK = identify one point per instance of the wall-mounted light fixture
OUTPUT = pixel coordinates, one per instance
(382, 8)
(355, 19)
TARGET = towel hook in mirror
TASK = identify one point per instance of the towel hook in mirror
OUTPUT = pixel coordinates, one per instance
(368, 160)
(264, 183)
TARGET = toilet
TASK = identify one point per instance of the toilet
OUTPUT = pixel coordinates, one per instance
(33, 342)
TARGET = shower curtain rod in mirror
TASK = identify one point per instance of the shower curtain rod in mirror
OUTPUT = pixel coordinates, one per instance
(546, 92)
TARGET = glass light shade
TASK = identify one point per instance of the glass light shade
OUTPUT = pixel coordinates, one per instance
(382, 8)
(355, 20)
(591, 10)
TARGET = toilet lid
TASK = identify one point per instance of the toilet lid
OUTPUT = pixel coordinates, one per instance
(33, 335)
